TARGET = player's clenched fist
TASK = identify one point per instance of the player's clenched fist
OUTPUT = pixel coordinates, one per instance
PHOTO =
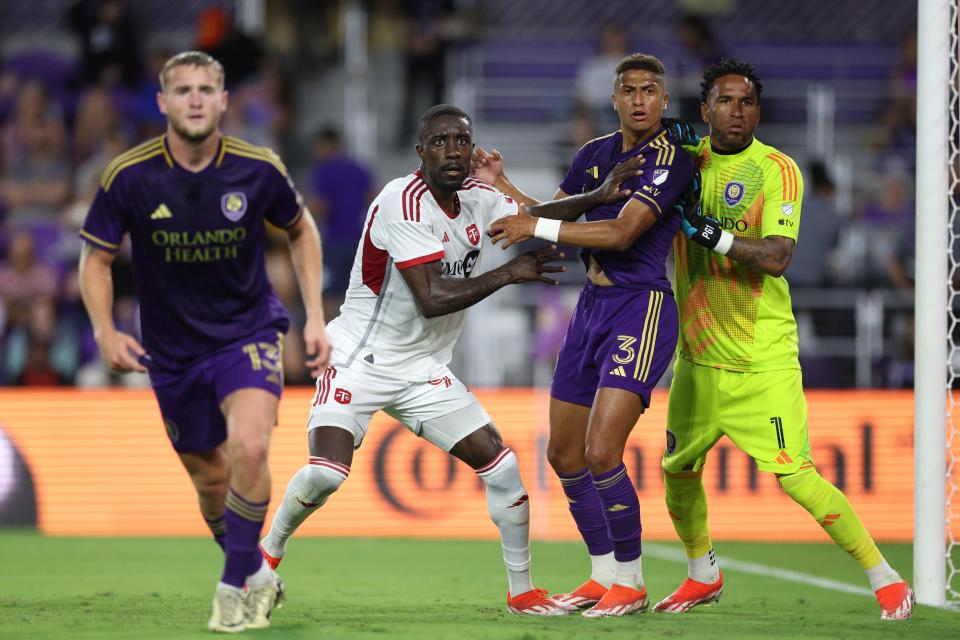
(531, 266)
(120, 351)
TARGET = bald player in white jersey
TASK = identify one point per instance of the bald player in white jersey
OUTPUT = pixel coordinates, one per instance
(410, 286)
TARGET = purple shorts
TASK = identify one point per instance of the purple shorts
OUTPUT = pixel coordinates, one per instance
(190, 398)
(618, 337)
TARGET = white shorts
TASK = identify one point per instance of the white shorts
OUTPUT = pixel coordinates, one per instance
(441, 411)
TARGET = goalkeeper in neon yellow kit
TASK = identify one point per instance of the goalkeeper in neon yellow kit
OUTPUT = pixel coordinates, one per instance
(737, 372)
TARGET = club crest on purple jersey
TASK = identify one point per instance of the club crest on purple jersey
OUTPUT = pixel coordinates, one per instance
(233, 205)
(733, 193)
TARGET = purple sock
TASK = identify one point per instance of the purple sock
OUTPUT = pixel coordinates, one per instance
(244, 520)
(218, 529)
(622, 510)
(587, 511)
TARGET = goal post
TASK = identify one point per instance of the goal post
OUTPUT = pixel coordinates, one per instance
(937, 124)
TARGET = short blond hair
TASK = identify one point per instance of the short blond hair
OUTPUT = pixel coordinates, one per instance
(191, 59)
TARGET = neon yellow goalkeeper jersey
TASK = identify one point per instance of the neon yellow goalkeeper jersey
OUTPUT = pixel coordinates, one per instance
(731, 316)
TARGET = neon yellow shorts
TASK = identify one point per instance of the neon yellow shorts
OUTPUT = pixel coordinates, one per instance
(764, 414)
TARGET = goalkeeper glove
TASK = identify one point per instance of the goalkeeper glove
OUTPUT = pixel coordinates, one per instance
(704, 230)
(681, 131)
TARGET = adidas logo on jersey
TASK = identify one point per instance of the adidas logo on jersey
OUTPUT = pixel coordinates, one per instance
(446, 238)
(161, 213)
(618, 371)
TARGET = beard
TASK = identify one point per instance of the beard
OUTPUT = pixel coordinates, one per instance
(195, 137)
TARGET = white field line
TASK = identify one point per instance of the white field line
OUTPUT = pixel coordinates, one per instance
(664, 552)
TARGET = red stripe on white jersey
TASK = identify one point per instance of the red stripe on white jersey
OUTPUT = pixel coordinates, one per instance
(373, 259)
(412, 262)
(331, 374)
(471, 183)
(416, 182)
(415, 201)
(493, 463)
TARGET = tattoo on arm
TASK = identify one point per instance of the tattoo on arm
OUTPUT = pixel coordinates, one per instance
(771, 254)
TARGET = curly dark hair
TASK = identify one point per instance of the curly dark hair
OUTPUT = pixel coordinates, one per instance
(727, 67)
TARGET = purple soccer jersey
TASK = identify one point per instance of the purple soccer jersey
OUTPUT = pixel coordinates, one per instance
(666, 172)
(197, 243)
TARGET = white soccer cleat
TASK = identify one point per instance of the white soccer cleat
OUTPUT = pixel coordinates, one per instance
(228, 611)
(260, 602)
(535, 602)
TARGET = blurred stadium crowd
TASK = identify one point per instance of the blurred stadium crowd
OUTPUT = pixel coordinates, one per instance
(78, 83)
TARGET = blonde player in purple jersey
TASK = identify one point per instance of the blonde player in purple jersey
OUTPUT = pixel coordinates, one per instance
(737, 371)
(193, 203)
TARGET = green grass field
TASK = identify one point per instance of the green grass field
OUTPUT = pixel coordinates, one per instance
(415, 589)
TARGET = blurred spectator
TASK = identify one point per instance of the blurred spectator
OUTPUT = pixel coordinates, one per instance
(580, 130)
(341, 190)
(594, 81)
(425, 53)
(899, 117)
(701, 48)
(819, 233)
(31, 105)
(883, 218)
(150, 122)
(43, 352)
(23, 279)
(96, 121)
(239, 54)
(109, 42)
(261, 110)
(36, 181)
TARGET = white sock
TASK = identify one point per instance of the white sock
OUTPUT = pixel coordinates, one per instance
(630, 574)
(603, 569)
(704, 569)
(882, 576)
(223, 586)
(263, 575)
(510, 510)
(306, 492)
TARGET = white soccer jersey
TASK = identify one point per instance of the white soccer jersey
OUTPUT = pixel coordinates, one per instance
(379, 322)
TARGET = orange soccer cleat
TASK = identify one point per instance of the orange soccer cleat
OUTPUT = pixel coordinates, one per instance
(273, 562)
(619, 601)
(535, 602)
(896, 601)
(583, 597)
(690, 594)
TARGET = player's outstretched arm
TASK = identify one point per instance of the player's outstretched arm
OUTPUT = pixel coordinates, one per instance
(307, 257)
(118, 350)
(614, 235)
(437, 296)
(570, 208)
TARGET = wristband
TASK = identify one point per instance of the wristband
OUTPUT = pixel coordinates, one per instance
(724, 243)
(547, 229)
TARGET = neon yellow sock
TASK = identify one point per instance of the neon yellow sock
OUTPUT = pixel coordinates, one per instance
(832, 510)
(687, 505)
